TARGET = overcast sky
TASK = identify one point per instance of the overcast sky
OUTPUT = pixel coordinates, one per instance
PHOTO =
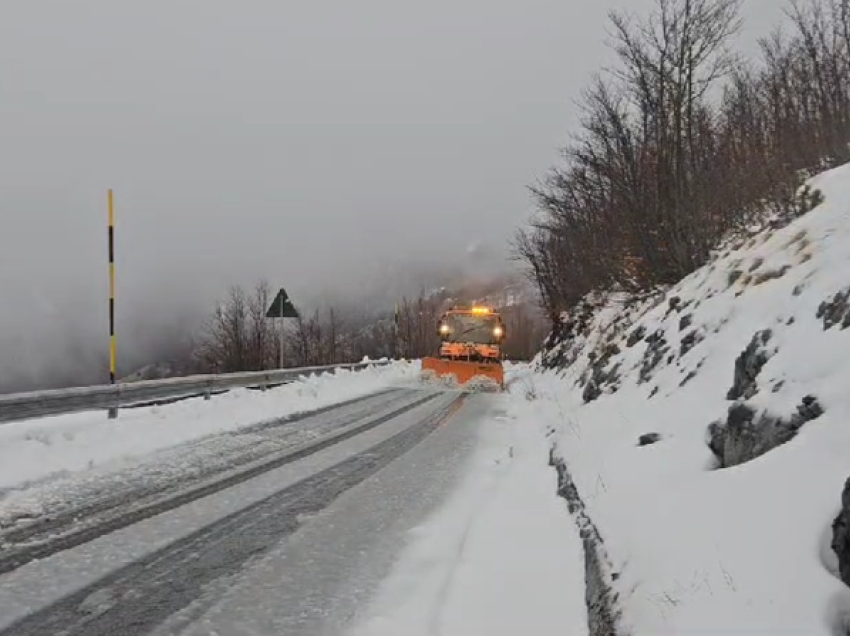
(321, 145)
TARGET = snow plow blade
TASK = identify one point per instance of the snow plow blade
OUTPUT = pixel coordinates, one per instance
(465, 375)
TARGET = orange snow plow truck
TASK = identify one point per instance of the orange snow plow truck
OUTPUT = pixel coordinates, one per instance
(471, 346)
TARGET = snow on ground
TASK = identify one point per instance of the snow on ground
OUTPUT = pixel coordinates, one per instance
(501, 557)
(298, 574)
(33, 450)
(698, 549)
(729, 538)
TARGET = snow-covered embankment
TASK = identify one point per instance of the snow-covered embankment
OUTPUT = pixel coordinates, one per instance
(706, 432)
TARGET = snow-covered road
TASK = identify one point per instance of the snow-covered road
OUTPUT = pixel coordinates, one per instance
(207, 537)
(273, 529)
(86, 505)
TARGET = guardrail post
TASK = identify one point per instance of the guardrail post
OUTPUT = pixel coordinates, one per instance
(115, 400)
(208, 389)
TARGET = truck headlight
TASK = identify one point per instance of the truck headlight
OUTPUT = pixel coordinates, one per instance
(498, 331)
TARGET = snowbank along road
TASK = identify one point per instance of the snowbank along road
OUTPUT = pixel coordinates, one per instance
(154, 550)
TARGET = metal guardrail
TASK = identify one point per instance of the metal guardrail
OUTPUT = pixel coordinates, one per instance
(34, 404)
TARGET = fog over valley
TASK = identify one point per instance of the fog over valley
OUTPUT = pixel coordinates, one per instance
(352, 152)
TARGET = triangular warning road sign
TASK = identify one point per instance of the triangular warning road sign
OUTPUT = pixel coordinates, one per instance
(282, 307)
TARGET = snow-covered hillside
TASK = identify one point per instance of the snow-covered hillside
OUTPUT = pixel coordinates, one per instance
(706, 438)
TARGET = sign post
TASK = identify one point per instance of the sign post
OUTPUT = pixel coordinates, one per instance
(281, 308)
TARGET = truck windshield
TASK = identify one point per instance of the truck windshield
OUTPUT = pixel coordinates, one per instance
(471, 328)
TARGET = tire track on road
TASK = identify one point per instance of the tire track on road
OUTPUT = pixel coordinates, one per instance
(83, 525)
(137, 598)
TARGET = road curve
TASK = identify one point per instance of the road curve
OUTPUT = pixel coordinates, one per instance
(171, 561)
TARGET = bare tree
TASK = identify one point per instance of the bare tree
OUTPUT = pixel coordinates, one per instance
(526, 328)
(683, 142)
(417, 329)
(333, 337)
(237, 336)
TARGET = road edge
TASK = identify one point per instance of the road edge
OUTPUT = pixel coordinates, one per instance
(603, 615)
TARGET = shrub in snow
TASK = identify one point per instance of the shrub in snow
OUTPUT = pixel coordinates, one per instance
(600, 375)
(635, 336)
(656, 350)
(689, 340)
(566, 341)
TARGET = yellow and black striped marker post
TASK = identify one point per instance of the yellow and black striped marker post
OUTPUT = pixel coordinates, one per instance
(113, 411)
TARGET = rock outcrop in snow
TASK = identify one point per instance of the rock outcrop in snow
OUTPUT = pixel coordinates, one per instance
(747, 433)
(600, 599)
(841, 535)
(671, 399)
